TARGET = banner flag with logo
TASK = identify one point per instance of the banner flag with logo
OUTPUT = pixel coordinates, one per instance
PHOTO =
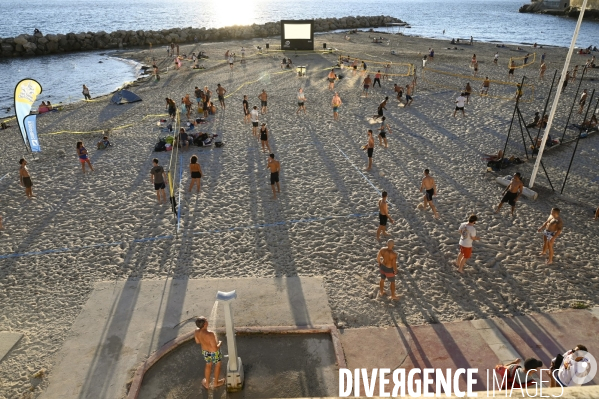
(26, 93)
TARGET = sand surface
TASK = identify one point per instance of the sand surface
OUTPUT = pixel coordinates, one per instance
(107, 225)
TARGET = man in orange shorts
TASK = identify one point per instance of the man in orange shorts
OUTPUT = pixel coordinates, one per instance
(467, 237)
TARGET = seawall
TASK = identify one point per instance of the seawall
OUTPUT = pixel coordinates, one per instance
(39, 44)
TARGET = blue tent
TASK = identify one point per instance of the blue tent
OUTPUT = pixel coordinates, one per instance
(124, 97)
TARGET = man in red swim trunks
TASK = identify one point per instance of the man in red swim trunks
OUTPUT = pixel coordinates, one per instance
(387, 261)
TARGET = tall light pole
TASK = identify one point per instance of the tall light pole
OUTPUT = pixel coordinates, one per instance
(234, 366)
(557, 95)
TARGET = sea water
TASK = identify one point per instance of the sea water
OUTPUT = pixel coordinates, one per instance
(63, 75)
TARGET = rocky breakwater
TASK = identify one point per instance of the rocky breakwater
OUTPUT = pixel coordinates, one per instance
(39, 44)
(572, 11)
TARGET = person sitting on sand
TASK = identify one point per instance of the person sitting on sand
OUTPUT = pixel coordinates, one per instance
(387, 260)
(104, 143)
(535, 121)
(497, 157)
(551, 229)
(590, 124)
(183, 139)
(211, 352)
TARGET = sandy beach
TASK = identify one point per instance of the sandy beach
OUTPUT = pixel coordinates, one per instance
(107, 226)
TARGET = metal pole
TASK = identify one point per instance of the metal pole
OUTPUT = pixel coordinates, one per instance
(231, 342)
(573, 104)
(546, 105)
(513, 116)
(557, 94)
(577, 140)
(522, 132)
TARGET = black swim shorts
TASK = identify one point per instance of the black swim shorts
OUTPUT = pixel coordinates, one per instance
(370, 151)
(383, 135)
(429, 194)
(274, 178)
(510, 198)
(382, 219)
(264, 103)
(196, 175)
(159, 186)
(255, 124)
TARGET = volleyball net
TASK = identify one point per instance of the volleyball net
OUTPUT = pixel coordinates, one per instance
(497, 88)
(522, 62)
(386, 68)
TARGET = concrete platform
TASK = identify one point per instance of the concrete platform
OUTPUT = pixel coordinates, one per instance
(7, 341)
(478, 344)
(281, 366)
(123, 323)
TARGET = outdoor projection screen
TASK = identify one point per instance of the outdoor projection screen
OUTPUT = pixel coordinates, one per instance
(297, 35)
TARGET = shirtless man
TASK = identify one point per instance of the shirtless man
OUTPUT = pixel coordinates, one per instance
(220, 91)
(551, 229)
(275, 168)
(542, 70)
(383, 217)
(25, 179)
(382, 106)
(210, 350)
(332, 76)
(399, 90)
(264, 101)
(510, 72)
(383, 130)
(246, 110)
(512, 192)
(409, 91)
(369, 147)
(486, 84)
(430, 189)
(336, 103)
(301, 101)
(583, 100)
(366, 84)
(387, 260)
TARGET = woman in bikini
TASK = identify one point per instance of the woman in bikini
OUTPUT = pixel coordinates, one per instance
(83, 157)
(196, 173)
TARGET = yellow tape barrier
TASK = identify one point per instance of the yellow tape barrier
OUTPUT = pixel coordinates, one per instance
(410, 66)
(476, 91)
(534, 57)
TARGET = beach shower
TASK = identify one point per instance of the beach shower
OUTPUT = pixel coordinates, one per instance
(234, 367)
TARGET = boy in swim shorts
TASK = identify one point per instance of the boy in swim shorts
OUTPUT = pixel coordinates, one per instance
(387, 261)
(551, 229)
(211, 352)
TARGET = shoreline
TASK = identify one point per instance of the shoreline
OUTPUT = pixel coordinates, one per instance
(139, 61)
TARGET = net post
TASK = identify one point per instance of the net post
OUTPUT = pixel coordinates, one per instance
(577, 140)
(573, 103)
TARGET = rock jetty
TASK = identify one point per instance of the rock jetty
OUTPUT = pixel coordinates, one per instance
(572, 11)
(39, 44)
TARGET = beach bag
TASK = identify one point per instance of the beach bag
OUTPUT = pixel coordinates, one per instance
(160, 146)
